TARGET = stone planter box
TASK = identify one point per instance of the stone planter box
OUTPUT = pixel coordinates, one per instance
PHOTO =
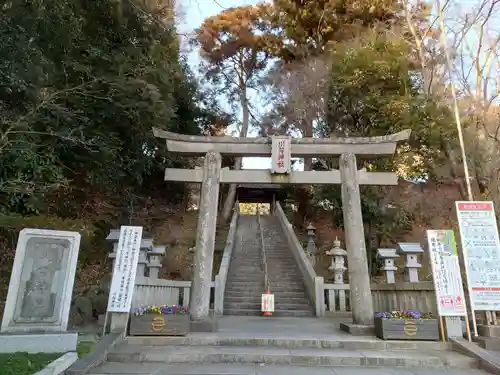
(159, 325)
(407, 329)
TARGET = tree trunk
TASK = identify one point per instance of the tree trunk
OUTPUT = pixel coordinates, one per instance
(303, 195)
(231, 195)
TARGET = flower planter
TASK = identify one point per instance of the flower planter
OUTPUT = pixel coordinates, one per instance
(152, 324)
(407, 329)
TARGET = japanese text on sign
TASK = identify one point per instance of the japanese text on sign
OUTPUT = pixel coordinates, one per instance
(125, 269)
(443, 253)
(481, 247)
(281, 154)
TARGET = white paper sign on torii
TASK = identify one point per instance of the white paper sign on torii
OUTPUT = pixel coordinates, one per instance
(281, 155)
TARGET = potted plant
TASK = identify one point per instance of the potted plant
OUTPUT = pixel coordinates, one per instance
(406, 325)
(159, 321)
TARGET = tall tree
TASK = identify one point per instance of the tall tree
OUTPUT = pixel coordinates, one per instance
(308, 31)
(81, 85)
(234, 51)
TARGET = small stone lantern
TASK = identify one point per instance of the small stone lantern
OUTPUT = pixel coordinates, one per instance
(311, 245)
(411, 250)
(154, 261)
(388, 256)
(338, 262)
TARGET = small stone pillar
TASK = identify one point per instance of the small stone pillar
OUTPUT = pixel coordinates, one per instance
(154, 261)
(141, 263)
(146, 245)
(411, 250)
(205, 242)
(311, 245)
(338, 262)
(388, 256)
(359, 275)
(113, 236)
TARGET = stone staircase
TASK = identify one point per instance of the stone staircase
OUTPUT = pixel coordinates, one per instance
(245, 282)
(256, 353)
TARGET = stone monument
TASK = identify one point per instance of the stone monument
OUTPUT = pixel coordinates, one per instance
(40, 289)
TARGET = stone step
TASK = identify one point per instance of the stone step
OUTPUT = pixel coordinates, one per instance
(283, 294)
(257, 299)
(257, 305)
(297, 286)
(255, 312)
(285, 341)
(245, 276)
(241, 278)
(256, 288)
(127, 353)
(158, 368)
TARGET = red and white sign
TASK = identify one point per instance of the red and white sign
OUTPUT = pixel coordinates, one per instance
(281, 158)
(267, 303)
(446, 273)
(481, 247)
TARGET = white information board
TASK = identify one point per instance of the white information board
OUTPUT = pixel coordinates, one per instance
(481, 247)
(281, 154)
(125, 269)
(443, 253)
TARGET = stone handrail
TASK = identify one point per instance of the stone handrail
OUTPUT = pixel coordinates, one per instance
(221, 277)
(313, 282)
(263, 251)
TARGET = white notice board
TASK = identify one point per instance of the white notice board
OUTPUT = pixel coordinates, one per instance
(481, 247)
(125, 269)
(447, 279)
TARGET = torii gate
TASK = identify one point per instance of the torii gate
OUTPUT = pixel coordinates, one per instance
(281, 149)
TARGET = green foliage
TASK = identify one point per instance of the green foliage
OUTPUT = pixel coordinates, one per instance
(375, 90)
(81, 85)
(24, 363)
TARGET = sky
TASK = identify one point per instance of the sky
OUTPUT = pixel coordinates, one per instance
(191, 14)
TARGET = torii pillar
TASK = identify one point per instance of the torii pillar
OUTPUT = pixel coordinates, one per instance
(199, 308)
(359, 275)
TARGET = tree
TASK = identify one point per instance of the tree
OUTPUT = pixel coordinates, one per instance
(234, 50)
(311, 34)
(460, 70)
(81, 85)
(305, 27)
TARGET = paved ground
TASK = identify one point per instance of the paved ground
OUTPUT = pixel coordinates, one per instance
(282, 329)
(301, 327)
(225, 369)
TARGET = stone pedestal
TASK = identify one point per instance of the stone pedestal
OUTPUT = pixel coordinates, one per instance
(359, 276)
(205, 242)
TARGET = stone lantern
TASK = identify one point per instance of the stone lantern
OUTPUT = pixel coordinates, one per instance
(311, 245)
(411, 250)
(388, 256)
(338, 262)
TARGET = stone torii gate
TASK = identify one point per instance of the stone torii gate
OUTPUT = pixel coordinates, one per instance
(281, 149)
